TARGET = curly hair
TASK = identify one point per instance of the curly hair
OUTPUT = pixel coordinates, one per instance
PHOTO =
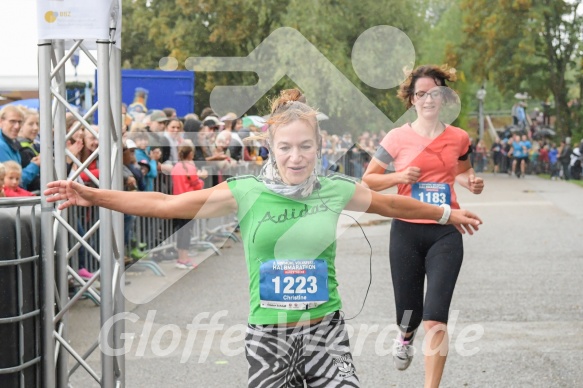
(440, 75)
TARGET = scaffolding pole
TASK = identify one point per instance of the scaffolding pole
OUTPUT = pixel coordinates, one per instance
(57, 367)
(118, 226)
(45, 49)
(61, 245)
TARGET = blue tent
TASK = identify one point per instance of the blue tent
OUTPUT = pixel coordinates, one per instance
(30, 103)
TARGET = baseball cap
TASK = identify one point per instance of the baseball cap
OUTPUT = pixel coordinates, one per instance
(212, 121)
(158, 115)
(129, 145)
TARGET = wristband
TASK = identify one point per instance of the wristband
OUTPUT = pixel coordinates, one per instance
(446, 213)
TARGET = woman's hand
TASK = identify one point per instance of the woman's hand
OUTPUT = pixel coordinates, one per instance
(410, 175)
(475, 184)
(464, 220)
(73, 193)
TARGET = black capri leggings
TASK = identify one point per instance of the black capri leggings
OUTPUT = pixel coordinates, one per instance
(417, 250)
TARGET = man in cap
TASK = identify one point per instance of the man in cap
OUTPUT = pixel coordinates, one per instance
(213, 123)
(236, 146)
(156, 126)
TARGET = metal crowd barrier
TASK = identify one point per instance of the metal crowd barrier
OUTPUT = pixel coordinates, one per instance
(155, 237)
(20, 316)
(352, 163)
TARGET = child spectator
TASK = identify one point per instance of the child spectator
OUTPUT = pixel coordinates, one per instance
(90, 144)
(142, 141)
(12, 180)
(131, 182)
(144, 167)
(185, 178)
(2, 174)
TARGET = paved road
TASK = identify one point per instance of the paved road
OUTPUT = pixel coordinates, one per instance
(517, 313)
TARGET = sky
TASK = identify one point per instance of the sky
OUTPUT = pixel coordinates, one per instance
(18, 45)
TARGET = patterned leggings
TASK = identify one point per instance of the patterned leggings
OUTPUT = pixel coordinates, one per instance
(286, 357)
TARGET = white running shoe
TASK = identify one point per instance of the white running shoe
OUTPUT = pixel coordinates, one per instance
(403, 352)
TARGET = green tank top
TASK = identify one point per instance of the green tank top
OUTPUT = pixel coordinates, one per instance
(290, 248)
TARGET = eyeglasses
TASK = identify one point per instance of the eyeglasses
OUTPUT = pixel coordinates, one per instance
(14, 122)
(434, 94)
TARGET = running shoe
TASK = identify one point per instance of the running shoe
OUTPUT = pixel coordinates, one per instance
(403, 352)
(186, 265)
(84, 274)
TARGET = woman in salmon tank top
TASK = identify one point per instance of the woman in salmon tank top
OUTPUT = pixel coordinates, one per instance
(423, 159)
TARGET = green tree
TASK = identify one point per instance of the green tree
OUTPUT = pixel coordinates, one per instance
(154, 29)
(180, 28)
(333, 27)
(525, 45)
(438, 45)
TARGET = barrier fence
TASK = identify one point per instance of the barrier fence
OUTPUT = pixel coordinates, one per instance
(148, 239)
(20, 283)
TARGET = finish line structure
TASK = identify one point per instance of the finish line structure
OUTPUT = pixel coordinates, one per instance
(56, 46)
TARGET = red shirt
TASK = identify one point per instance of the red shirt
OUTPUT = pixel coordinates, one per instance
(92, 167)
(19, 192)
(185, 178)
(437, 158)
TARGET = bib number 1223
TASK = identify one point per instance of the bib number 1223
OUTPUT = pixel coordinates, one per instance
(293, 284)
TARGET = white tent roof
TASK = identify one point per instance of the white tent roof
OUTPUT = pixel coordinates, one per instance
(19, 50)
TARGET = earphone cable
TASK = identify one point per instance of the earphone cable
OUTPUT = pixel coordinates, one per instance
(370, 255)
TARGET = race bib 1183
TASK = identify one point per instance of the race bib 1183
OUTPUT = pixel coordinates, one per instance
(293, 284)
(431, 192)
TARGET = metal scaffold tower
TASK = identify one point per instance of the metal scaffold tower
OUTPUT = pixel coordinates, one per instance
(60, 359)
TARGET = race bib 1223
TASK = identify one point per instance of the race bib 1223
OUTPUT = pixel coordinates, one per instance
(293, 284)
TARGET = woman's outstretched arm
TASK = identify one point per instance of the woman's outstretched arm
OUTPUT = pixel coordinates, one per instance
(392, 205)
(213, 202)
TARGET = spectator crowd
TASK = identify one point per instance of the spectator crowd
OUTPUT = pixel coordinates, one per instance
(162, 152)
